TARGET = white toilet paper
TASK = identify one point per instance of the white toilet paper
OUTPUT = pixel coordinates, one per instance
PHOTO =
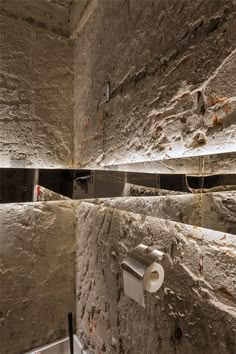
(152, 280)
(153, 277)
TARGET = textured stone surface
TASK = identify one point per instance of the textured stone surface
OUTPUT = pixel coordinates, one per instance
(136, 190)
(172, 83)
(220, 209)
(80, 12)
(36, 94)
(193, 312)
(59, 16)
(37, 256)
(52, 14)
(216, 211)
(222, 163)
(44, 194)
(171, 67)
(36, 274)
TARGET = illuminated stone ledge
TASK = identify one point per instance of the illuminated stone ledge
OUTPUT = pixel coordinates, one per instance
(222, 163)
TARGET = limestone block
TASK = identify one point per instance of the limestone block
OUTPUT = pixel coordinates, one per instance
(202, 165)
(37, 262)
(172, 84)
(220, 209)
(36, 274)
(36, 94)
(137, 190)
(216, 211)
(195, 310)
(50, 14)
(44, 194)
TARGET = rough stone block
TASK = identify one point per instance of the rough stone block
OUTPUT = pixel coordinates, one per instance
(36, 274)
(172, 83)
(36, 95)
(193, 312)
(216, 211)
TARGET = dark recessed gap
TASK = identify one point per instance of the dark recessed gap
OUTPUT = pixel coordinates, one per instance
(17, 185)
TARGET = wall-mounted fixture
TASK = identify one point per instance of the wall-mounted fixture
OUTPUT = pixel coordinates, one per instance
(142, 270)
(105, 93)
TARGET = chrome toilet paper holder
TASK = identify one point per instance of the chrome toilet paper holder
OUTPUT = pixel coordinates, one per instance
(137, 261)
(142, 270)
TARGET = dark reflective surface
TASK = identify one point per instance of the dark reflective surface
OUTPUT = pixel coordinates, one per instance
(17, 185)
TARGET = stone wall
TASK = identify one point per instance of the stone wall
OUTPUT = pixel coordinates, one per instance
(171, 68)
(36, 95)
(172, 81)
(51, 14)
(37, 260)
(193, 312)
(215, 211)
(36, 274)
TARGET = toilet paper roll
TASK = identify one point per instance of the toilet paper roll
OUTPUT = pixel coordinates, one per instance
(153, 277)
